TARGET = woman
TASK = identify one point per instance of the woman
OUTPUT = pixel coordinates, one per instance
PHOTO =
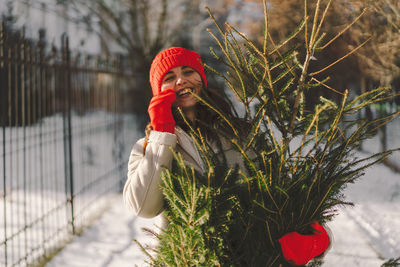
(175, 74)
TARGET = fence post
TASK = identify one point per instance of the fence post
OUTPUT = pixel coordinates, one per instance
(67, 127)
(3, 120)
(383, 130)
(120, 120)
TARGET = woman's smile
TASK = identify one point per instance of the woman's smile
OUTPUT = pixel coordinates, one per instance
(185, 81)
(184, 92)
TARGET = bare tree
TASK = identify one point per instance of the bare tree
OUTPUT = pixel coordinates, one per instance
(380, 58)
(140, 29)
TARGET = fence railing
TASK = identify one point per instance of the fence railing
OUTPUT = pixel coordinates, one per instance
(60, 144)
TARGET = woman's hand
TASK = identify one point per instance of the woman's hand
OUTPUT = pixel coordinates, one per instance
(300, 249)
(160, 111)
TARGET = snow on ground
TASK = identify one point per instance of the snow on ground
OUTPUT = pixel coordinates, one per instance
(108, 242)
(363, 235)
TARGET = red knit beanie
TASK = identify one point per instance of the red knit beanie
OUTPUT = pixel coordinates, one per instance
(171, 58)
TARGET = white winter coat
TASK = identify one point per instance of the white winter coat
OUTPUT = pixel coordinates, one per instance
(142, 192)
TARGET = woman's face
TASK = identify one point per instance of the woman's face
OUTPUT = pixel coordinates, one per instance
(183, 80)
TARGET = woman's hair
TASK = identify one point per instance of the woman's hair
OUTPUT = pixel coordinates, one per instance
(207, 120)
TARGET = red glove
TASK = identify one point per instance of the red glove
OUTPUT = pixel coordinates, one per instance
(300, 249)
(160, 111)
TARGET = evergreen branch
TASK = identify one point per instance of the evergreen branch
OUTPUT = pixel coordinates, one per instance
(332, 130)
(247, 228)
(327, 86)
(274, 260)
(380, 157)
(244, 176)
(284, 193)
(321, 22)
(357, 135)
(339, 115)
(319, 40)
(195, 137)
(219, 113)
(316, 132)
(229, 83)
(300, 88)
(312, 123)
(282, 75)
(272, 134)
(203, 148)
(344, 30)
(256, 130)
(386, 120)
(238, 74)
(263, 155)
(280, 55)
(266, 27)
(214, 20)
(350, 176)
(252, 70)
(342, 58)
(226, 55)
(269, 234)
(227, 175)
(291, 37)
(274, 97)
(322, 201)
(267, 71)
(181, 162)
(274, 202)
(244, 155)
(376, 96)
(287, 85)
(392, 262)
(314, 29)
(143, 250)
(306, 26)
(265, 208)
(282, 162)
(236, 48)
(173, 200)
(284, 60)
(250, 43)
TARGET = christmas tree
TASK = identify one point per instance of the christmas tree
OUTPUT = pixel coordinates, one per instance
(298, 156)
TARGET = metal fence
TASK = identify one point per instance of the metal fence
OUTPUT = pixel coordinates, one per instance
(61, 144)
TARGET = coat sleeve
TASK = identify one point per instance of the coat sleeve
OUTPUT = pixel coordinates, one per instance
(142, 192)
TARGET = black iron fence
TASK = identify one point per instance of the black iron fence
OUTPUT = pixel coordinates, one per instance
(61, 143)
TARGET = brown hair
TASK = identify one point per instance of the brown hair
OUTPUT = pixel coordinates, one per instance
(207, 120)
(147, 131)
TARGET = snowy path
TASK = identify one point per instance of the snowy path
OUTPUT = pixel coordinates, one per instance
(108, 242)
(350, 246)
